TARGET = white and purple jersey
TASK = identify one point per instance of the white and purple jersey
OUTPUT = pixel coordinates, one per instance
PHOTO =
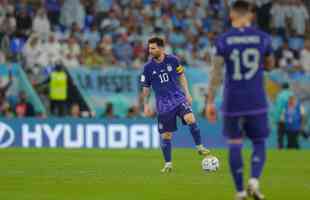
(244, 51)
(163, 78)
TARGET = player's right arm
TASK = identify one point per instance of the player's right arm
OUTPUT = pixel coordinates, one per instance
(146, 101)
(216, 77)
(145, 96)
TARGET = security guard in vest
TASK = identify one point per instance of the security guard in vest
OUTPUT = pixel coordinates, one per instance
(58, 91)
(293, 117)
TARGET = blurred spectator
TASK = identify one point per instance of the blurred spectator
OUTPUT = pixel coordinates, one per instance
(23, 108)
(3, 91)
(89, 57)
(23, 6)
(103, 6)
(72, 11)
(6, 110)
(16, 48)
(123, 51)
(92, 36)
(105, 55)
(263, 14)
(109, 111)
(53, 50)
(4, 88)
(2, 57)
(75, 110)
(58, 91)
(70, 61)
(32, 52)
(305, 57)
(300, 17)
(280, 12)
(110, 23)
(293, 117)
(53, 10)
(23, 24)
(41, 25)
(287, 58)
(8, 24)
(295, 42)
(133, 112)
(280, 104)
(71, 47)
(76, 32)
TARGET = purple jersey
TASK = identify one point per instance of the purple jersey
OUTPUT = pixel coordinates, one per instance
(163, 78)
(244, 51)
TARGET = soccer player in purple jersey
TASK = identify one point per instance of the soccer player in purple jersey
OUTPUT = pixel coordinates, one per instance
(245, 52)
(166, 77)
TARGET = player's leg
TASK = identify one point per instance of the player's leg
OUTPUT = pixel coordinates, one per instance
(167, 125)
(188, 118)
(292, 140)
(166, 149)
(280, 135)
(257, 129)
(235, 142)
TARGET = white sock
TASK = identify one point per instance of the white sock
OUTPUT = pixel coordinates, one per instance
(254, 183)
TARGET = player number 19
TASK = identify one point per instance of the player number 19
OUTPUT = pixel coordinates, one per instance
(252, 64)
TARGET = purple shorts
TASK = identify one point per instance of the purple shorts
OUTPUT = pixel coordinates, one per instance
(252, 126)
(167, 122)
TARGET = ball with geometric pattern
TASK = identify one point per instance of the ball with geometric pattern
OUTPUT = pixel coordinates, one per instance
(210, 164)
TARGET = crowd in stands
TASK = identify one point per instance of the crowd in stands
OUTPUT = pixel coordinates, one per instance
(113, 32)
(106, 33)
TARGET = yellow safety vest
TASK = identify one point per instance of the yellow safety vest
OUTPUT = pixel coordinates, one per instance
(58, 86)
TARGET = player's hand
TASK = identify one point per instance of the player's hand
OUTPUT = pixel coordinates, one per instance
(189, 99)
(147, 111)
(211, 113)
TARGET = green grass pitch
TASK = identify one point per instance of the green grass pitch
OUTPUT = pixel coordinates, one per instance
(88, 174)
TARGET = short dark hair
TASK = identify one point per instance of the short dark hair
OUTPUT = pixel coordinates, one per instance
(242, 6)
(157, 40)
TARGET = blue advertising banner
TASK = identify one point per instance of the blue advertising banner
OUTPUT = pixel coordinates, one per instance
(98, 133)
(95, 133)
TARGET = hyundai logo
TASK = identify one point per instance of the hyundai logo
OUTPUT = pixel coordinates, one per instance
(6, 135)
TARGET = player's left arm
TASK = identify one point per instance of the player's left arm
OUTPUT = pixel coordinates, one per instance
(184, 85)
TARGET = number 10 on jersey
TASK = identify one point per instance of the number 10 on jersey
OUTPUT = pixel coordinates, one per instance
(164, 77)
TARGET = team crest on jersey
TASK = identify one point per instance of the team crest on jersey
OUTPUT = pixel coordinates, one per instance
(169, 68)
(154, 72)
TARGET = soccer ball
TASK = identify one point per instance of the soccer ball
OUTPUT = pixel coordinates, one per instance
(210, 164)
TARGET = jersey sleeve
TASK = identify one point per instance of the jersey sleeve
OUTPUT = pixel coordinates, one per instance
(219, 49)
(267, 45)
(145, 80)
